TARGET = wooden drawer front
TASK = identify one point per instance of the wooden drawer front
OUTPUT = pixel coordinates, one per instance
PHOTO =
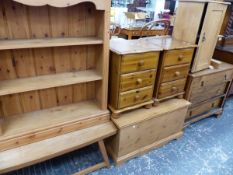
(174, 73)
(180, 56)
(171, 88)
(137, 80)
(139, 62)
(203, 107)
(203, 94)
(135, 96)
(142, 134)
(211, 80)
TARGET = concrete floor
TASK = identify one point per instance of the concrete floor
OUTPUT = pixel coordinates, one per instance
(205, 149)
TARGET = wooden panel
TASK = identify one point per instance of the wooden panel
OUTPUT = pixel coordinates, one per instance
(10, 105)
(203, 107)
(187, 21)
(139, 62)
(142, 134)
(212, 79)
(171, 88)
(64, 3)
(17, 22)
(7, 70)
(208, 38)
(30, 101)
(174, 73)
(137, 80)
(206, 93)
(178, 56)
(3, 28)
(134, 97)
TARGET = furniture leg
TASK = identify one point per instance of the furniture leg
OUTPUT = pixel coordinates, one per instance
(104, 152)
(106, 162)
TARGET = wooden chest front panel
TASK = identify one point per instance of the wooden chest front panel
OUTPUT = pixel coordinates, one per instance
(203, 107)
(134, 97)
(179, 56)
(171, 88)
(137, 80)
(174, 73)
(147, 132)
(206, 93)
(139, 62)
(211, 80)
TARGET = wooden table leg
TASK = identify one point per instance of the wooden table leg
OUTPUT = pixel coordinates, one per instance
(104, 152)
(106, 162)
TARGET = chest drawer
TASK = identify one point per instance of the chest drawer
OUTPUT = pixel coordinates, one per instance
(179, 56)
(137, 80)
(139, 62)
(174, 73)
(206, 93)
(171, 88)
(211, 80)
(203, 107)
(134, 97)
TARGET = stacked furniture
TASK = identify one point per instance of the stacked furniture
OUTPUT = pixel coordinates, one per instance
(199, 22)
(134, 65)
(207, 91)
(53, 79)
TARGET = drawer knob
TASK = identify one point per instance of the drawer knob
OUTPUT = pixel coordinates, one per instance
(139, 81)
(180, 57)
(141, 63)
(136, 98)
(174, 89)
(177, 73)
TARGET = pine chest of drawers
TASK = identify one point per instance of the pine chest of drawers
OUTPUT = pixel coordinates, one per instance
(207, 91)
(133, 69)
(142, 129)
(173, 67)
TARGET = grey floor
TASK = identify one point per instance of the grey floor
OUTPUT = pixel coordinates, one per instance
(205, 149)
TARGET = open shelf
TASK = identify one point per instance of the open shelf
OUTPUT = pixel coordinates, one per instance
(40, 151)
(57, 120)
(48, 42)
(47, 81)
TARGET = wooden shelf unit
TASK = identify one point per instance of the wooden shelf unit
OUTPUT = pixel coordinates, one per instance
(53, 68)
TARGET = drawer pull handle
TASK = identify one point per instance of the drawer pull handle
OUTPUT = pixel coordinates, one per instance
(141, 63)
(136, 98)
(177, 73)
(225, 77)
(139, 81)
(174, 89)
(202, 83)
(180, 57)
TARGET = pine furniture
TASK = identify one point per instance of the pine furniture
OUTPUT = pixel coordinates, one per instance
(199, 22)
(53, 79)
(142, 129)
(133, 67)
(173, 68)
(207, 91)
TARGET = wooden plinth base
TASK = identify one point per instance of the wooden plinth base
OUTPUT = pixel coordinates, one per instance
(157, 101)
(216, 112)
(143, 150)
(116, 113)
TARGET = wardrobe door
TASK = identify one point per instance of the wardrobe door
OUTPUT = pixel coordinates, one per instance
(188, 20)
(209, 35)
